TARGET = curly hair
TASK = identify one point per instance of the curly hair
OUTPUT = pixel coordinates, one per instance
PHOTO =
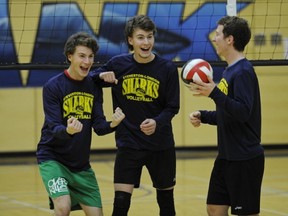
(80, 39)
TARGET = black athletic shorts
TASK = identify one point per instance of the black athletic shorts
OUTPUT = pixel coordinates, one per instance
(161, 166)
(237, 184)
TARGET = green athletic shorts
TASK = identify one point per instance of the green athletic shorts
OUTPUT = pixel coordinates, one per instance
(81, 186)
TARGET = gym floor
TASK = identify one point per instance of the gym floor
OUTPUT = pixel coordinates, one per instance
(22, 192)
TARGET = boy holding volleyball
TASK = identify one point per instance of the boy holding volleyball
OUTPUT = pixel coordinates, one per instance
(146, 87)
(237, 174)
(72, 107)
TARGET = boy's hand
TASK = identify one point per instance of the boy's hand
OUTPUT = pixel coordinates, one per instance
(117, 117)
(108, 76)
(73, 126)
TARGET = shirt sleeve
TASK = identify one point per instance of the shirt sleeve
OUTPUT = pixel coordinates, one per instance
(208, 117)
(240, 105)
(95, 74)
(53, 112)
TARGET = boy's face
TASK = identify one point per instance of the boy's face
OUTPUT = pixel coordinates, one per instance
(143, 43)
(81, 62)
(222, 43)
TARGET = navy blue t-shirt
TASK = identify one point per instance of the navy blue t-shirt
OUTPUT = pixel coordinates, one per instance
(148, 90)
(63, 98)
(238, 113)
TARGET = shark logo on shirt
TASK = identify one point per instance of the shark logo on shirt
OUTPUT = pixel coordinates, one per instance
(78, 104)
(140, 87)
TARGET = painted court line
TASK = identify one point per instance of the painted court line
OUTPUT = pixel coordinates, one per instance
(24, 204)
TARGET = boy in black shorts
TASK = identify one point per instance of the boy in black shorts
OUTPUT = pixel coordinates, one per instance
(237, 174)
(147, 89)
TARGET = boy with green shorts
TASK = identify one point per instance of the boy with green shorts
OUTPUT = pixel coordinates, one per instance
(73, 105)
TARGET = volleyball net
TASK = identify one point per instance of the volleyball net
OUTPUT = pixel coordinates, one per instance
(33, 32)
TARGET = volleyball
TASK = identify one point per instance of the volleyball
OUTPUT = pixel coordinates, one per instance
(196, 70)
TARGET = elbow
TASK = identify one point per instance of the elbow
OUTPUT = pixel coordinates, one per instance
(242, 116)
(100, 132)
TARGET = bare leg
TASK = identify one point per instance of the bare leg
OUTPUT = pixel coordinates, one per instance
(62, 205)
(92, 211)
(217, 210)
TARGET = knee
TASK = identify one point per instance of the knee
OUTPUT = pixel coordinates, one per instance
(62, 207)
(122, 199)
(62, 210)
(121, 203)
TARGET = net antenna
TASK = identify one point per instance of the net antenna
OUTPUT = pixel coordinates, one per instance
(231, 8)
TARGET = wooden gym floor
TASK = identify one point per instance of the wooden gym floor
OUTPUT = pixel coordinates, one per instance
(22, 192)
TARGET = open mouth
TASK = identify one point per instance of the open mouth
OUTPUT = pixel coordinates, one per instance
(145, 49)
(84, 69)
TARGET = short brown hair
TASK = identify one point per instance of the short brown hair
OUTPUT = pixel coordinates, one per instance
(140, 21)
(80, 39)
(238, 28)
